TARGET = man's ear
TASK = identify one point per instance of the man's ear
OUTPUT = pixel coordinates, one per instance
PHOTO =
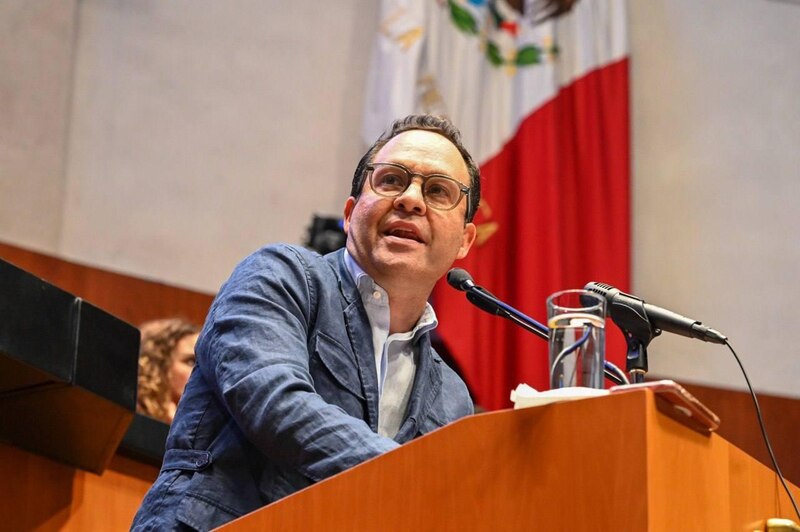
(349, 205)
(467, 239)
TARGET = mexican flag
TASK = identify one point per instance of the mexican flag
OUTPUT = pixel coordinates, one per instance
(543, 108)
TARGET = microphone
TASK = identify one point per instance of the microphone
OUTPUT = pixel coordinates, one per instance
(626, 309)
(460, 279)
(483, 299)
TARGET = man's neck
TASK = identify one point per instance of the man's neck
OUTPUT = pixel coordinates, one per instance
(405, 308)
(408, 295)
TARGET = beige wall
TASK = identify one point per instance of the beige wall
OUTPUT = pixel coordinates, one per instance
(169, 139)
(716, 197)
(36, 55)
(203, 130)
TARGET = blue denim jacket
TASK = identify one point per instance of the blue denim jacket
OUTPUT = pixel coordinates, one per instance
(284, 393)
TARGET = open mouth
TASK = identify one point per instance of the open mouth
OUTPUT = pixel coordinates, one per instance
(405, 234)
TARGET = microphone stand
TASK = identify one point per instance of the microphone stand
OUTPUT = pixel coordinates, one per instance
(632, 319)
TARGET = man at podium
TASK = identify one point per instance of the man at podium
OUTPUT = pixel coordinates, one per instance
(308, 365)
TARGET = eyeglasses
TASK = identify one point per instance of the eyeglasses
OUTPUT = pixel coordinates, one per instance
(439, 191)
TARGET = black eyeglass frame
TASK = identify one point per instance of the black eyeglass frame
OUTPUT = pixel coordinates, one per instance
(462, 188)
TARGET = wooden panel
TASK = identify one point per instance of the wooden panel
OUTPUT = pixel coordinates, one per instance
(43, 495)
(740, 425)
(759, 490)
(687, 476)
(129, 298)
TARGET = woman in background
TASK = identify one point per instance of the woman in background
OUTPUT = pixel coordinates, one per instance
(166, 359)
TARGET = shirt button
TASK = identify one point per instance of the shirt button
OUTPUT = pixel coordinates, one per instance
(376, 295)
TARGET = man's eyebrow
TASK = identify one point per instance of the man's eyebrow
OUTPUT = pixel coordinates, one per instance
(410, 171)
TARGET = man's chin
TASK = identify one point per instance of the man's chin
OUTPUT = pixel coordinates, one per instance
(405, 262)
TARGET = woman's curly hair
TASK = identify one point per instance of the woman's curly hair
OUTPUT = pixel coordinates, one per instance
(159, 340)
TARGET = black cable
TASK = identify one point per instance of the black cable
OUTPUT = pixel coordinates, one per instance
(764, 431)
(566, 351)
(614, 374)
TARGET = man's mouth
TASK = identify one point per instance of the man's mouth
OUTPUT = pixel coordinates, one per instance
(404, 233)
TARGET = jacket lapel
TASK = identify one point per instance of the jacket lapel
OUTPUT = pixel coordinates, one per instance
(360, 335)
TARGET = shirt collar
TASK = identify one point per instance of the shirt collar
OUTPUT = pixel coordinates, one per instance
(363, 282)
(367, 286)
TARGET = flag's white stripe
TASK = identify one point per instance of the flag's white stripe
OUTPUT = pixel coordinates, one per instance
(593, 35)
(394, 66)
(444, 70)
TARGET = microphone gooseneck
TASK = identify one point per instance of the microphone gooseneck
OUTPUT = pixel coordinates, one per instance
(461, 280)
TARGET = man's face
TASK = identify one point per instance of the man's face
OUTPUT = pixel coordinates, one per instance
(402, 237)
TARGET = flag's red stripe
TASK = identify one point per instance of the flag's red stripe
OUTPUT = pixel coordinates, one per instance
(559, 191)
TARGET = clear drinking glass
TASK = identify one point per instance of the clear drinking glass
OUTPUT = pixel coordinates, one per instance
(577, 338)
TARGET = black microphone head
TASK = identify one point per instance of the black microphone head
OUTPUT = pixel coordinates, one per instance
(598, 288)
(459, 279)
(606, 291)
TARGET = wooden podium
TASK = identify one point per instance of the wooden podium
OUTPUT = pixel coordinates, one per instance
(608, 463)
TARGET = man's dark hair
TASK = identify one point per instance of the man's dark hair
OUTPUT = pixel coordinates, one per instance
(439, 125)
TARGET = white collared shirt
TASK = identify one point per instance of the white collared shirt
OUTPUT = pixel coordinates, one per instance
(395, 354)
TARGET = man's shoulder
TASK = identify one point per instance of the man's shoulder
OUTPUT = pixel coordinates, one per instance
(282, 249)
(288, 254)
(288, 261)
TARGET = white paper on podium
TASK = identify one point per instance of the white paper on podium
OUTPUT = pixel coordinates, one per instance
(525, 397)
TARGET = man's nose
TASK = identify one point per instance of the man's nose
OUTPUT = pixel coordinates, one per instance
(412, 199)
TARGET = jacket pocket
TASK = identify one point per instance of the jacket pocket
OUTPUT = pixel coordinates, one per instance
(337, 367)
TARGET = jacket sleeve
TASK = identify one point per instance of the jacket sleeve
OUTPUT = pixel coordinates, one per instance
(254, 353)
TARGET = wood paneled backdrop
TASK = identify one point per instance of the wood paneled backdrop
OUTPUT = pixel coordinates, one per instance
(137, 300)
